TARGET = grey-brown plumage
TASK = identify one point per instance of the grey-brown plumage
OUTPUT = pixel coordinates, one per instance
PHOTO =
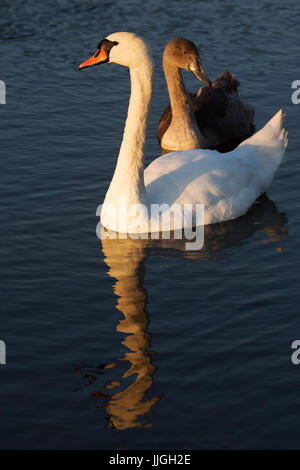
(223, 120)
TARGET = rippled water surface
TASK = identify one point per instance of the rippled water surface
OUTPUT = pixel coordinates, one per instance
(131, 344)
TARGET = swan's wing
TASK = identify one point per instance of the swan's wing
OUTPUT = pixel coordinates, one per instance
(226, 186)
(210, 105)
(227, 81)
(249, 110)
(224, 120)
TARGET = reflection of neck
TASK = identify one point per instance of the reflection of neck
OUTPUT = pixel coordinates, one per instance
(183, 132)
(125, 259)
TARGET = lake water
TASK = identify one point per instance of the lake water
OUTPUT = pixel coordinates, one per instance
(139, 345)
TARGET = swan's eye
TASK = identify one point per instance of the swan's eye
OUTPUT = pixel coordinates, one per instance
(105, 45)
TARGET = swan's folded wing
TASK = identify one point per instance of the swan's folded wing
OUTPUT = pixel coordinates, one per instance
(226, 186)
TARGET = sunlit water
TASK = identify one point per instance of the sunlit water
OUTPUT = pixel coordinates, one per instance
(139, 344)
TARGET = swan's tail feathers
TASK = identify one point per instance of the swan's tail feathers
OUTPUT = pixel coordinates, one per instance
(266, 149)
(272, 138)
(284, 138)
(275, 128)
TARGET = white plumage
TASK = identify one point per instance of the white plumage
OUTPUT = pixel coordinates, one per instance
(227, 184)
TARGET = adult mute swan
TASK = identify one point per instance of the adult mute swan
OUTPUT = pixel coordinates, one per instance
(214, 118)
(227, 187)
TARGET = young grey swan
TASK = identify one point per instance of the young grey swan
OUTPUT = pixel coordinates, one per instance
(214, 118)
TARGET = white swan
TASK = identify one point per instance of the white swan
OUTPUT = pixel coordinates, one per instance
(226, 186)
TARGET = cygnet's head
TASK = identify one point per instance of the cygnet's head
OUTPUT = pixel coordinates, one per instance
(184, 54)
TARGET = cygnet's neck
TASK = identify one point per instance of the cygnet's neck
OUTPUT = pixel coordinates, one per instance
(183, 132)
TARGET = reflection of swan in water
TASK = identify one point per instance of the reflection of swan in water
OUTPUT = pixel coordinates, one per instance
(126, 264)
(263, 217)
(125, 259)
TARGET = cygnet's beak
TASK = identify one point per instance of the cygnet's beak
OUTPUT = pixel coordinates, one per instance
(198, 70)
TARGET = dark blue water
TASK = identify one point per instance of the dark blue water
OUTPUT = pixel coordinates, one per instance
(135, 345)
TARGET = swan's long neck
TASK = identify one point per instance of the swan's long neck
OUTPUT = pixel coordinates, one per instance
(128, 179)
(183, 132)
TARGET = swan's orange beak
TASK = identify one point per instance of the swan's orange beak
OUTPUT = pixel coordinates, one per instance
(99, 57)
